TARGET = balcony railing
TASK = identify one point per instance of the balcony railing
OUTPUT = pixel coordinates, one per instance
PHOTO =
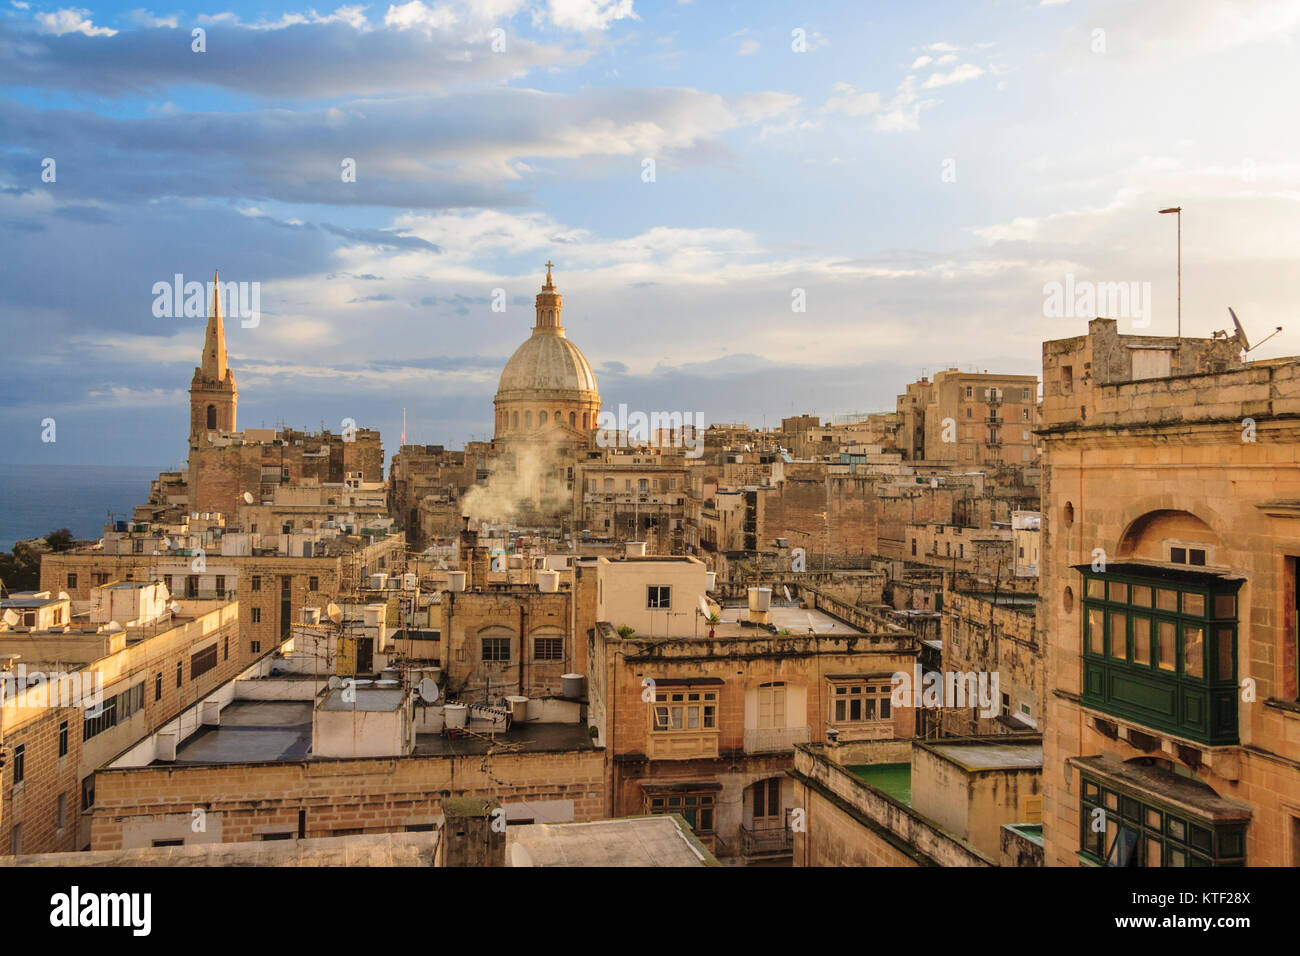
(766, 838)
(775, 740)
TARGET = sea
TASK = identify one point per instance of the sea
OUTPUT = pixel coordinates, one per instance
(38, 499)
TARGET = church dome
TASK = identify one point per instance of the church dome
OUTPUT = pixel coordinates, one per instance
(547, 389)
(546, 362)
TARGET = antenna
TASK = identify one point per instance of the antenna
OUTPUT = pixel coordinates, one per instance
(1241, 333)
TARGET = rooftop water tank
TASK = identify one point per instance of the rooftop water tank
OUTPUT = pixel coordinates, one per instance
(571, 686)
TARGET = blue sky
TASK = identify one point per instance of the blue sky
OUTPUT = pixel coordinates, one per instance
(919, 170)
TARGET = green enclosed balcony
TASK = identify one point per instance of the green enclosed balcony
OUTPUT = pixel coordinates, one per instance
(1160, 649)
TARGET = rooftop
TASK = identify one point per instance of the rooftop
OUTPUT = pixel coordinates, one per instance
(892, 779)
(377, 849)
(634, 841)
(978, 755)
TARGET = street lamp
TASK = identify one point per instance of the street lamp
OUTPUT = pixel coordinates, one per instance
(1178, 211)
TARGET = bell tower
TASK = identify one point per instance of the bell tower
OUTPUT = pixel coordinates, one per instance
(213, 395)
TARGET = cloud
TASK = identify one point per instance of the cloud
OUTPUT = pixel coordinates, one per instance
(584, 15)
(921, 61)
(748, 48)
(962, 74)
(331, 56)
(418, 14)
(851, 102)
(72, 20)
(146, 19)
(471, 149)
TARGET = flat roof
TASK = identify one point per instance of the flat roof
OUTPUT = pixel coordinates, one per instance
(992, 756)
(382, 699)
(893, 779)
(634, 841)
(363, 849)
(251, 731)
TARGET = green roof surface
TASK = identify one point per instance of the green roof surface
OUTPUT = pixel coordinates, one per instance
(893, 779)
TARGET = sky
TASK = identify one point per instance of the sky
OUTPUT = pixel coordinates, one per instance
(754, 209)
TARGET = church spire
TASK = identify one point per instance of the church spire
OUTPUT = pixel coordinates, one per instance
(549, 306)
(214, 341)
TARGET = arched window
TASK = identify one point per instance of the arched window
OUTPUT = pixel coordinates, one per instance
(559, 418)
(584, 420)
(516, 420)
(573, 419)
(212, 416)
(528, 419)
(541, 419)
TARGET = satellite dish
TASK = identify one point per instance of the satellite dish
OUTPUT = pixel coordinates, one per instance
(12, 618)
(335, 682)
(248, 497)
(333, 612)
(704, 606)
(174, 607)
(428, 690)
(166, 543)
(63, 595)
(787, 593)
(113, 627)
(1241, 333)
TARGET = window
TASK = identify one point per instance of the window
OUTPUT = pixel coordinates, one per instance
(313, 583)
(771, 706)
(767, 798)
(255, 584)
(257, 615)
(857, 702)
(686, 710)
(225, 650)
(180, 674)
(496, 649)
(1119, 829)
(72, 581)
(695, 808)
(105, 720)
(548, 648)
(63, 739)
(913, 547)
(203, 661)
(659, 597)
(969, 392)
(20, 762)
(1024, 394)
(255, 646)
(16, 839)
(157, 686)
(61, 812)
(1161, 649)
(88, 792)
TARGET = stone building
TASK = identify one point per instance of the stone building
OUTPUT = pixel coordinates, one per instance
(122, 665)
(701, 718)
(1170, 562)
(226, 464)
(981, 419)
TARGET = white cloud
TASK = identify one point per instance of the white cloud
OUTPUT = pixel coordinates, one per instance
(963, 74)
(419, 14)
(71, 20)
(943, 48)
(921, 61)
(748, 48)
(146, 19)
(583, 15)
(946, 59)
(851, 102)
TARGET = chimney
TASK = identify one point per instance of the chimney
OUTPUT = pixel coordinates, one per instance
(473, 832)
